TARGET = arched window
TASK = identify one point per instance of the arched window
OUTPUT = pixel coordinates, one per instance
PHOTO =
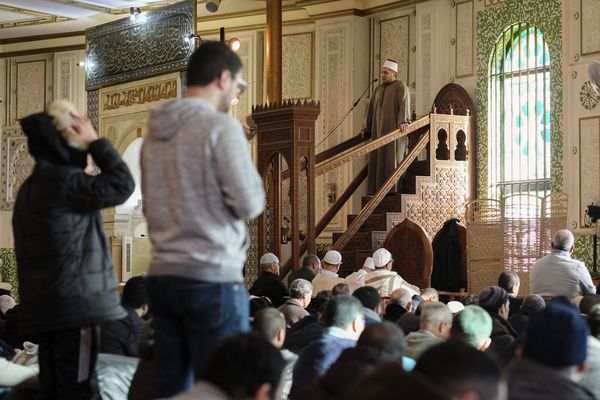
(519, 113)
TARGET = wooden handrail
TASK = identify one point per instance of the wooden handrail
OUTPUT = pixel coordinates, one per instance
(328, 216)
(368, 147)
(335, 150)
(383, 190)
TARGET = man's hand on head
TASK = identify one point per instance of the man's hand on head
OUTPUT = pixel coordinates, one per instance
(84, 129)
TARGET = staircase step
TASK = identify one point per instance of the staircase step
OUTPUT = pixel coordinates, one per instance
(360, 241)
(389, 203)
(375, 222)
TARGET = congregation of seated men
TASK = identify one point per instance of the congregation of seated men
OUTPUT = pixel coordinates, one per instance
(366, 336)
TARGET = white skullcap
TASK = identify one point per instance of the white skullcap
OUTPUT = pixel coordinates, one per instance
(333, 257)
(369, 263)
(455, 306)
(391, 64)
(268, 258)
(381, 257)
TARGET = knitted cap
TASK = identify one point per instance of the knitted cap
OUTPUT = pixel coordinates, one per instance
(557, 337)
(268, 258)
(369, 263)
(491, 298)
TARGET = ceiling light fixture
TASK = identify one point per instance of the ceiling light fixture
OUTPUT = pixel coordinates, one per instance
(234, 44)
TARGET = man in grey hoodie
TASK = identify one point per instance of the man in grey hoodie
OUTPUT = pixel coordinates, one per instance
(198, 186)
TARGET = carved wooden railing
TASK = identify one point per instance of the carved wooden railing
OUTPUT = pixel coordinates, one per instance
(368, 147)
(383, 190)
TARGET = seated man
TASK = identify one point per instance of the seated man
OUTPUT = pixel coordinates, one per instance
(494, 300)
(590, 378)
(553, 358)
(383, 278)
(311, 265)
(510, 281)
(242, 367)
(270, 324)
(123, 336)
(372, 306)
(435, 324)
(461, 372)
(294, 308)
(532, 304)
(345, 322)
(473, 326)
(400, 303)
(557, 274)
(328, 277)
(268, 283)
(430, 294)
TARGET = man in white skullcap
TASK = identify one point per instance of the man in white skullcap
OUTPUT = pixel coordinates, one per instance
(383, 278)
(328, 277)
(389, 110)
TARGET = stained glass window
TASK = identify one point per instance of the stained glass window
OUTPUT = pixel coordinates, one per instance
(519, 113)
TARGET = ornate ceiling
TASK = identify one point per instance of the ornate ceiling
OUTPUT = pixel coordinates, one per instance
(24, 18)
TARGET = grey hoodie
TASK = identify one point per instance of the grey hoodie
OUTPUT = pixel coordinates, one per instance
(198, 186)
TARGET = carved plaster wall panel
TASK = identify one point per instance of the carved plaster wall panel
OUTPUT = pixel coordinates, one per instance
(16, 164)
(464, 38)
(69, 78)
(335, 73)
(297, 66)
(589, 164)
(424, 78)
(93, 97)
(492, 3)
(30, 85)
(395, 43)
(590, 27)
(588, 97)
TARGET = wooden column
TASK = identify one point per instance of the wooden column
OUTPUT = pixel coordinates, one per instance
(287, 130)
(273, 62)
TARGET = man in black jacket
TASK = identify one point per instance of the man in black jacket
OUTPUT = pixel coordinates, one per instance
(67, 284)
(123, 336)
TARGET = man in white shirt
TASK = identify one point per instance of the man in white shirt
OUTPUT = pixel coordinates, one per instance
(328, 277)
(383, 278)
(557, 274)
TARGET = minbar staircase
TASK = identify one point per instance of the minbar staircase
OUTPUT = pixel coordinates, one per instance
(373, 231)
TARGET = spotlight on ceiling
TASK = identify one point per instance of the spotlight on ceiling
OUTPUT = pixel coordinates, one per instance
(212, 5)
(135, 12)
(234, 44)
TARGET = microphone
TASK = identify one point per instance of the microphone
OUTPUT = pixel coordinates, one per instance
(361, 96)
(348, 113)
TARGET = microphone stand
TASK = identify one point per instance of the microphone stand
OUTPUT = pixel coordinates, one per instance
(348, 113)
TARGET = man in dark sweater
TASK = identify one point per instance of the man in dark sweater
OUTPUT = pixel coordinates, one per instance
(311, 265)
(123, 336)
(268, 283)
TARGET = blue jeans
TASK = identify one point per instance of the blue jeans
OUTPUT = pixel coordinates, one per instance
(190, 319)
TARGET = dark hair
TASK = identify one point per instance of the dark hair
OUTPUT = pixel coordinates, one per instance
(309, 260)
(384, 336)
(259, 303)
(532, 304)
(508, 279)
(321, 298)
(341, 289)
(342, 310)
(267, 322)
(587, 302)
(242, 363)
(593, 321)
(368, 296)
(459, 368)
(208, 63)
(134, 292)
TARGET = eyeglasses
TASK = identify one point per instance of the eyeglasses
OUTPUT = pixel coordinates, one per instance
(241, 85)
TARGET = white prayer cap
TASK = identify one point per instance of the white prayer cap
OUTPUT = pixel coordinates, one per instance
(369, 263)
(268, 258)
(455, 306)
(391, 64)
(381, 257)
(333, 257)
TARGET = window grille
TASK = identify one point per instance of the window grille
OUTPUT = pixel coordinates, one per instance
(519, 114)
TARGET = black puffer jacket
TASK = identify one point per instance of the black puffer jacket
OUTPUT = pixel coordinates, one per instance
(66, 276)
